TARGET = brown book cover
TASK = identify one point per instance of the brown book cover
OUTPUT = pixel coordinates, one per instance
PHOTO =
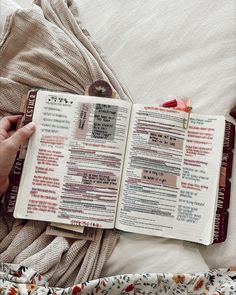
(233, 112)
(222, 215)
(15, 175)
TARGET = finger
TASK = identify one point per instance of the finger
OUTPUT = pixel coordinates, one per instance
(7, 121)
(3, 135)
(17, 113)
(4, 183)
(20, 136)
(10, 133)
(6, 124)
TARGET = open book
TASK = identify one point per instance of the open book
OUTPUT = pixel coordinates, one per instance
(106, 163)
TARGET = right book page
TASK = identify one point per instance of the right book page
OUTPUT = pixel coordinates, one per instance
(171, 174)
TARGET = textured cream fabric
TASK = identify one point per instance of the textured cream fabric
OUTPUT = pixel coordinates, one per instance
(46, 47)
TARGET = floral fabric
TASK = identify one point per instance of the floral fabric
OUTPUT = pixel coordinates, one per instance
(16, 279)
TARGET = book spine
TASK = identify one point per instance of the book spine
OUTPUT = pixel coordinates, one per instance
(223, 203)
(15, 174)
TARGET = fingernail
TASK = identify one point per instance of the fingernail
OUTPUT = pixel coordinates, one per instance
(31, 126)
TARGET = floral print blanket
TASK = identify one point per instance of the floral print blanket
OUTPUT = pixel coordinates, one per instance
(16, 279)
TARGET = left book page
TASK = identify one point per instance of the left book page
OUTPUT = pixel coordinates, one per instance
(73, 164)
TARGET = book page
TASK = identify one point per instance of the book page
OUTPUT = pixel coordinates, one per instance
(165, 190)
(73, 164)
(89, 234)
(198, 196)
(76, 228)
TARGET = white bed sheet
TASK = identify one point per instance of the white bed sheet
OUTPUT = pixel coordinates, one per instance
(160, 49)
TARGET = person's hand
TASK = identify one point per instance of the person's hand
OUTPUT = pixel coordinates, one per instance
(9, 145)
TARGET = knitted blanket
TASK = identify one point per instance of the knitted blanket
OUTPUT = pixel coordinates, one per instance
(47, 47)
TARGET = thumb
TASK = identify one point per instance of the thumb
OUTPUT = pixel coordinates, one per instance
(20, 136)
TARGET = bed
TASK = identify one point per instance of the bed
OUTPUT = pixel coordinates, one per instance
(160, 50)
(179, 48)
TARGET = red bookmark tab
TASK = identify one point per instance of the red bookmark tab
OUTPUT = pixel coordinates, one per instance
(233, 112)
(170, 104)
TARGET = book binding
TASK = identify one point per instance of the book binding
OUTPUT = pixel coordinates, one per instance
(223, 203)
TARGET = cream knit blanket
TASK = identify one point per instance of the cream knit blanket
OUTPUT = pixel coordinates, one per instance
(46, 47)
